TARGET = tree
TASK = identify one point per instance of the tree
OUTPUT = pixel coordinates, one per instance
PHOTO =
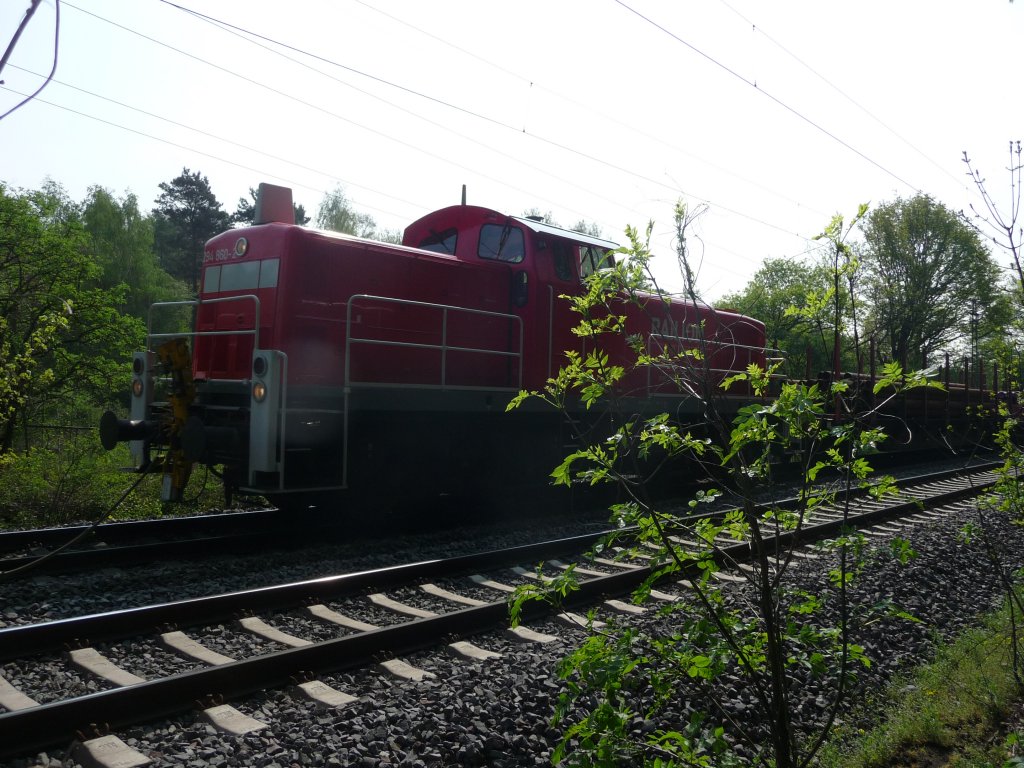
(582, 226)
(587, 228)
(537, 214)
(925, 270)
(245, 212)
(121, 241)
(337, 214)
(843, 269)
(187, 215)
(386, 235)
(63, 341)
(778, 286)
(1003, 227)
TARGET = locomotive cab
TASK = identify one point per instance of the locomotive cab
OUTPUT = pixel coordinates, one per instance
(541, 262)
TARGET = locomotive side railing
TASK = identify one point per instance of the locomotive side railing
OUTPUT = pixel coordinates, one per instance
(196, 303)
(707, 347)
(444, 348)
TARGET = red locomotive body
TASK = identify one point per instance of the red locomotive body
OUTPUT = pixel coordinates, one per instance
(322, 362)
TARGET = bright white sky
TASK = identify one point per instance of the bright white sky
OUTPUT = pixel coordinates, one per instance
(778, 115)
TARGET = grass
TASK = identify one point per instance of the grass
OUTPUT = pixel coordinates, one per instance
(77, 482)
(963, 710)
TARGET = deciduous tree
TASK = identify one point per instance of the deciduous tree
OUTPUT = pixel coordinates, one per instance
(62, 339)
(769, 641)
(587, 228)
(337, 214)
(121, 241)
(1001, 222)
(925, 270)
(777, 287)
(582, 226)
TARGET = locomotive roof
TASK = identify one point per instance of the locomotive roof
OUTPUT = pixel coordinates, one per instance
(549, 229)
(470, 215)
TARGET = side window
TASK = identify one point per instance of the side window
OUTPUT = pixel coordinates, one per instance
(241, 276)
(501, 243)
(440, 242)
(562, 259)
(211, 280)
(593, 258)
(268, 273)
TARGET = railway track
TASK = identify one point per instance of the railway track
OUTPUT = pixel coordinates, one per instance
(295, 632)
(125, 544)
(79, 547)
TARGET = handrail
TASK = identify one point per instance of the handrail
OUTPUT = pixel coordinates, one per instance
(443, 348)
(254, 331)
(718, 345)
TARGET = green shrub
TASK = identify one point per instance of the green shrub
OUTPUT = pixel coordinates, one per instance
(75, 483)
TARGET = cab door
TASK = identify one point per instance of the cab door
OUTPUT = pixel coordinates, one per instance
(557, 276)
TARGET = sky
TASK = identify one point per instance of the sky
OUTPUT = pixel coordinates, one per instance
(772, 116)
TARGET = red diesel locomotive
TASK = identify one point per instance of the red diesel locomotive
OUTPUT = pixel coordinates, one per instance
(321, 363)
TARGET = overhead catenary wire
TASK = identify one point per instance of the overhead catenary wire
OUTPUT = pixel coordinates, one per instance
(792, 110)
(317, 107)
(591, 157)
(591, 108)
(177, 145)
(33, 5)
(493, 121)
(226, 140)
(760, 30)
(248, 37)
(14, 40)
(551, 142)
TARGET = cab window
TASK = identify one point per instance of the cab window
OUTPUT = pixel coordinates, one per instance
(561, 257)
(211, 280)
(241, 276)
(500, 242)
(440, 242)
(593, 258)
(268, 273)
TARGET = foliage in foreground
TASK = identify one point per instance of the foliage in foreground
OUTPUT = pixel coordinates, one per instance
(767, 641)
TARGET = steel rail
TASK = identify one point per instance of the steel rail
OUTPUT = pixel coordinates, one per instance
(116, 624)
(136, 554)
(11, 541)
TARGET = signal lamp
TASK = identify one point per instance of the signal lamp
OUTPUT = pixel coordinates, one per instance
(259, 391)
(259, 366)
(241, 246)
(137, 387)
